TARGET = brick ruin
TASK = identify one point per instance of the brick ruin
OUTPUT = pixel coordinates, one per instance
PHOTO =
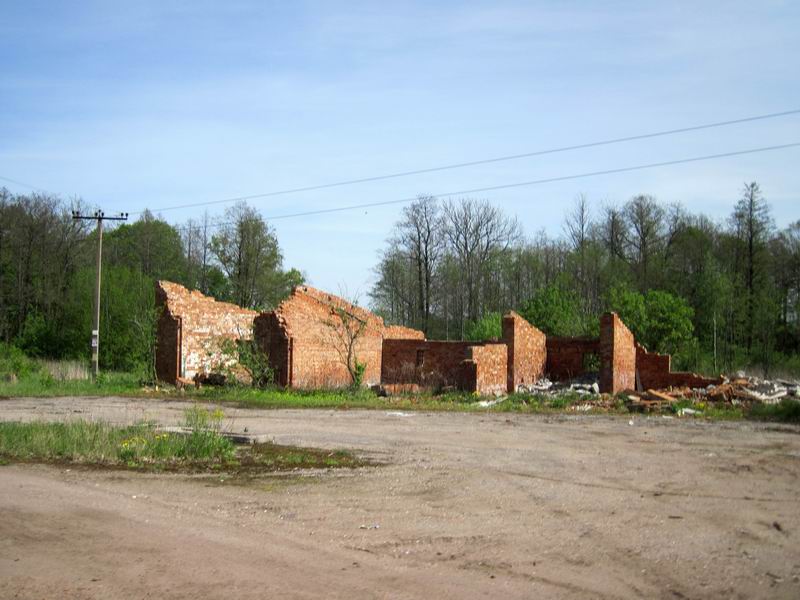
(305, 341)
(484, 367)
(190, 329)
(624, 364)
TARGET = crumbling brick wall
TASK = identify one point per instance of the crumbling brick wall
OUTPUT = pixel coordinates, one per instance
(527, 351)
(399, 332)
(617, 355)
(271, 336)
(470, 366)
(190, 330)
(566, 356)
(485, 369)
(304, 342)
(429, 363)
(654, 372)
(168, 344)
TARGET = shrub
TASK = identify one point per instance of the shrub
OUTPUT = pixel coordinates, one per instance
(358, 373)
(13, 361)
(556, 312)
(488, 327)
(247, 356)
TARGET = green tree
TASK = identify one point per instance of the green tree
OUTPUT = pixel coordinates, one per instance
(630, 306)
(248, 252)
(127, 318)
(669, 326)
(752, 225)
(150, 245)
(555, 311)
(657, 319)
(488, 327)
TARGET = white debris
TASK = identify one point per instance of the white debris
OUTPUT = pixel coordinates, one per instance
(487, 403)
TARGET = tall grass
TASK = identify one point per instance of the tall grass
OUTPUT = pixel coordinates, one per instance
(67, 370)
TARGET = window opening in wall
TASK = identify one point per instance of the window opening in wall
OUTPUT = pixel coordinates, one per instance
(591, 362)
(420, 358)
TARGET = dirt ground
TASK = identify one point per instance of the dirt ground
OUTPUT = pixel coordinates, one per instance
(467, 506)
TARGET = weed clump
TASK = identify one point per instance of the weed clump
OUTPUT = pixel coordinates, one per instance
(786, 411)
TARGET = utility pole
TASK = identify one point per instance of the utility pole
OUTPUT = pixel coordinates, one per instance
(98, 216)
(715, 341)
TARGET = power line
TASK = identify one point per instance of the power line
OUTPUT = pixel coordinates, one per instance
(485, 161)
(27, 185)
(518, 184)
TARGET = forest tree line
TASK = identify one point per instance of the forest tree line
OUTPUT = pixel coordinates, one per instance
(48, 265)
(719, 296)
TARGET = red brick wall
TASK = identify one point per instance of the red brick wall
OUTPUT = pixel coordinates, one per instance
(441, 362)
(527, 351)
(654, 372)
(486, 368)
(301, 337)
(398, 332)
(190, 329)
(618, 358)
(565, 355)
(167, 348)
(472, 366)
(272, 339)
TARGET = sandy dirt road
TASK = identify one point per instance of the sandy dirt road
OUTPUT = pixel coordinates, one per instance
(467, 506)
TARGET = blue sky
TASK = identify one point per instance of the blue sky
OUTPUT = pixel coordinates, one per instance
(156, 104)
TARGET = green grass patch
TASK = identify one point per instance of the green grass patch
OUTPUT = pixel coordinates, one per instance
(144, 447)
(95, 443)
(42, 384)
(336, 398)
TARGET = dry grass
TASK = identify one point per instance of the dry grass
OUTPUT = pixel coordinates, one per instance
(67, 370)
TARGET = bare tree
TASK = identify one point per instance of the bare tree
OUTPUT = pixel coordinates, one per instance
(347, 328)
(577, 224)
(646, 221)
(420, 234)
(204, 258)
(614, 231)
(475, 229)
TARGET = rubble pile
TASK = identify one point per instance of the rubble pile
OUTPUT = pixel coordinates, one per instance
(738, 391)
(584, 386)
